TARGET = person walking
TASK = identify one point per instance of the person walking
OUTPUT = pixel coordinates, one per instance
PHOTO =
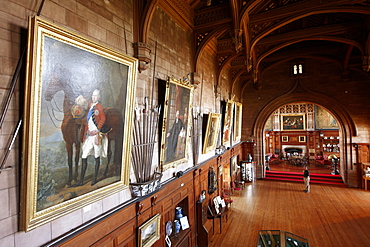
(306, 179)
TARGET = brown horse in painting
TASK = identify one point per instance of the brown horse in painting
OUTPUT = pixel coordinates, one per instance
(73, 126)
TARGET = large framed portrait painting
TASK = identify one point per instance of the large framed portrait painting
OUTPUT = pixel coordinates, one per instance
(176, 124)
(77, 123)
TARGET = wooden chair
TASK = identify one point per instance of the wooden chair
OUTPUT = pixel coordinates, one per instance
(227, 199)
(235, 188)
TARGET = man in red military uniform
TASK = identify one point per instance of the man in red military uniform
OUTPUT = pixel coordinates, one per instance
(95, 137)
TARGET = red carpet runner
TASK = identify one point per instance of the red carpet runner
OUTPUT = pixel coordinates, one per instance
(317, 178)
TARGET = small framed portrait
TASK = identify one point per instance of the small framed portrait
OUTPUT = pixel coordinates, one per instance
(149, 232)
(302, 138)
(285, 138)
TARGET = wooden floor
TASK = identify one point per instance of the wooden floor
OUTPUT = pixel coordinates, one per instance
(328, 216)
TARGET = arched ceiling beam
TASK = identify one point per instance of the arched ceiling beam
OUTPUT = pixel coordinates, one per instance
(327, 38)
(226, 62)
(348, 55)
(244, 24)
(244, 86)
(234, 8)
(144, 14)
(305, 14)
(234, 80)
(212, 34)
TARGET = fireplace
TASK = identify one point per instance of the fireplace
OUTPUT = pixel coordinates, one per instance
(300, 149)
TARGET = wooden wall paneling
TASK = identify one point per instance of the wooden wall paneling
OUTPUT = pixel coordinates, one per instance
(363, 152)
(126, 235)
(108, 241)
(103, 229)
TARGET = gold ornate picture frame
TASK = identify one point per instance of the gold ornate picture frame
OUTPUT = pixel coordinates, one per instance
(228, 123)
(176, 123)
(212, 132)
(150, 231)
(66, 74)
(302, 138)
(238, 121)
(293, 122)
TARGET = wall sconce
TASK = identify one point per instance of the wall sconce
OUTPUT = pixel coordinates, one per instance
(321, 134)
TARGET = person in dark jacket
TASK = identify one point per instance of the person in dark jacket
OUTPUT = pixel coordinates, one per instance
(306, 179)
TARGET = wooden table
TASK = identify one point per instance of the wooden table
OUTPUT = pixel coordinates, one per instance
(365, 181)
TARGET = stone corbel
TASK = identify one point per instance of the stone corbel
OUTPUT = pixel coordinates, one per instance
(366, 63)
(194, 78)
(217, 91)
(256, 82)
(237, 38)
(255, 75)
(345, 75)
(142, 52)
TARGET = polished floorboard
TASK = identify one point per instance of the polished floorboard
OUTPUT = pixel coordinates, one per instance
(328, 216)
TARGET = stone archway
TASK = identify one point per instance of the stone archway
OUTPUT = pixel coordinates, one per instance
(346, 126)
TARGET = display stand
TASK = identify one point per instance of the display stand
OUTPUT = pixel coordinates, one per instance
(247, 171)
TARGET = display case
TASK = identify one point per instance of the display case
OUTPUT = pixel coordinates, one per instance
(247, 171)
(177, 231)
(330, 144)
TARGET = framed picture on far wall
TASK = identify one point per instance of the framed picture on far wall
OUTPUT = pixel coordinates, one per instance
(293, 122)
(285, 138)
(302, 138)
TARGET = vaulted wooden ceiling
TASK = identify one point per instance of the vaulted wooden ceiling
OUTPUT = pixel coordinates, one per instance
(253, 36)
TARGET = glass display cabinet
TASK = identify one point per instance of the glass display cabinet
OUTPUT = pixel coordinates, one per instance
(246, 170)
(276, 238)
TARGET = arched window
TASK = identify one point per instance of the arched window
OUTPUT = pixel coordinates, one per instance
(297, 69)
(300, 69)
